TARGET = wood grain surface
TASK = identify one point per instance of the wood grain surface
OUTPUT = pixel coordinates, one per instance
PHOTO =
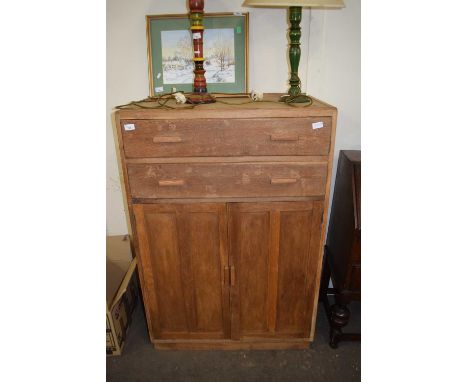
(226, 137)
(183, 252)
(226, 180)
(274, 247)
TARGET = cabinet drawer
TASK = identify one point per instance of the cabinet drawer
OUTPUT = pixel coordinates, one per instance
(226, 180)
(226, 137)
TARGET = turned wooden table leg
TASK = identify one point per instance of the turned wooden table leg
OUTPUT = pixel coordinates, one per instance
(339, 318)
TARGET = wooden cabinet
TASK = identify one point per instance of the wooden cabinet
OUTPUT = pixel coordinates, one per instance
(227, 207)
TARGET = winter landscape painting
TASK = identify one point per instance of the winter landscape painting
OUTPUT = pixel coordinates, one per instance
(219, 54)
(225, 53)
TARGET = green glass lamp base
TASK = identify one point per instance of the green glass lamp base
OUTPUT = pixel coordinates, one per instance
(300, 98)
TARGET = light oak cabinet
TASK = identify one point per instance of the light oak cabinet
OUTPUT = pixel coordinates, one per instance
(227, 206)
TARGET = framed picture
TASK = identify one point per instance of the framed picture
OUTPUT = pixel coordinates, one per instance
(225, 48)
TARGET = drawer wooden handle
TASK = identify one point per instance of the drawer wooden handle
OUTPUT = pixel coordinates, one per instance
(167, 139)
(283, 180)
(284, 137)
(171, 183)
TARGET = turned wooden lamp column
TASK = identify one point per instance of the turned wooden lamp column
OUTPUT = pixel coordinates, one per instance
(295, 15)
(200, 93)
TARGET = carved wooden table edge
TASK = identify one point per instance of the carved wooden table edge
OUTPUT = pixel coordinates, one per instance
(338, 314)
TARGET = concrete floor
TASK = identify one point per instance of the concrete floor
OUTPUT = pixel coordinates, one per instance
(141, 363)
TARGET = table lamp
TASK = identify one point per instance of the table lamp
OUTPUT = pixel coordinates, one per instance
(295, 15)
(200, 94)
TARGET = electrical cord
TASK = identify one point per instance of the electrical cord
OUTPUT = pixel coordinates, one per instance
(162, 100)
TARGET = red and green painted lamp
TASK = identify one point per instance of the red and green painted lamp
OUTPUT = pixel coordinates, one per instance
(295, 15)
(200, 93)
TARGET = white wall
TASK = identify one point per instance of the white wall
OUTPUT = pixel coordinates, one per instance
(331, 71)
(335, 73)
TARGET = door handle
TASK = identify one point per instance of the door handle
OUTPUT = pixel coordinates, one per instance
(226, 276)
(229, 275)
(233, 275)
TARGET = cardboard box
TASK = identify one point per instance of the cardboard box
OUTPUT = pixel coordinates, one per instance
(122, 292)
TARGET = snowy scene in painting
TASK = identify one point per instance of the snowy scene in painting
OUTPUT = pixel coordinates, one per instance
(177, 56)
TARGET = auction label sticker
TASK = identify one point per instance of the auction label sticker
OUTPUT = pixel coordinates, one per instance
(317, 125)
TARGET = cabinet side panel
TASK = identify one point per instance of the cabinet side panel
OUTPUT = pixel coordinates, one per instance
(166, 268)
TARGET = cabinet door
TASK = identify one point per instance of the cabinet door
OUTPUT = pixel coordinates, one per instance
(274, 251)
(183, 255)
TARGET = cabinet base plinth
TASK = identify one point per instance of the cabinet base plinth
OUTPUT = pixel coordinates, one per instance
(231, 345)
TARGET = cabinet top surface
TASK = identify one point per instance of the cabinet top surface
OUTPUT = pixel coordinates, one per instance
(232, 107)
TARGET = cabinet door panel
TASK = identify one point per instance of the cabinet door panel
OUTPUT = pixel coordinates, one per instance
(201, 248)
(295, 276)
(250, 243)
(166, 264)
(274, 248)
(183, 254)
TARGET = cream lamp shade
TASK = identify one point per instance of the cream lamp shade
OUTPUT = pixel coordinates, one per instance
(295, 3)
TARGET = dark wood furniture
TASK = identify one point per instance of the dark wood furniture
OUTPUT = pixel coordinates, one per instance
(227, 207)
(342, 261)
